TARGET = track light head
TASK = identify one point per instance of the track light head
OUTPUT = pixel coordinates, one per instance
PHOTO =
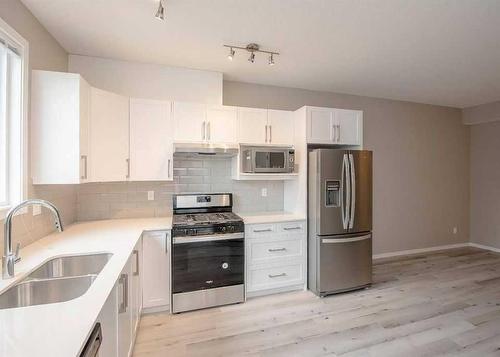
(230, 56)
(252, 57)
(271, 60)
(160, 13)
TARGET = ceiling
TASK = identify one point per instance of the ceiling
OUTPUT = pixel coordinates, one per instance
(442, 52)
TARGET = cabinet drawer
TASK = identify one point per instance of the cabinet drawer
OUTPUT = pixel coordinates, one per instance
(292, 227)
(275, 277)
(264, 251)
(260, 230)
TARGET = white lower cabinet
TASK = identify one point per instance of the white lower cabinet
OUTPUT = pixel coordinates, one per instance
(276, 257)
(120, 315)
(156, 269)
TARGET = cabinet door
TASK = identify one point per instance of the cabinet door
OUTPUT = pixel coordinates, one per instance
(349, 124)
(109, 136)
(150, 140)
(190, 122)
(109, 325)
(319, 125)
(135, 287)
(222, 124)
(281, 127)
(156, 270)
(252, 126)
(124, 312)
(84, 110)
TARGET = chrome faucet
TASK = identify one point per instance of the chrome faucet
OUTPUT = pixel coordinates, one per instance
(9, 258)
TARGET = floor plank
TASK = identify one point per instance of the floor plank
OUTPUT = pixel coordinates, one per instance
(441, 303)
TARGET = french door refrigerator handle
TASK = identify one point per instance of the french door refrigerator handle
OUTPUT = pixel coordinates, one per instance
(345, 184)
(353, 191)
(346, 240)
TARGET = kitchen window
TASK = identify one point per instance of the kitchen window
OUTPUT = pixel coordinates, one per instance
(13, 112)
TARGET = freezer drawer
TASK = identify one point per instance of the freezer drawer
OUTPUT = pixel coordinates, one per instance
(345, 263)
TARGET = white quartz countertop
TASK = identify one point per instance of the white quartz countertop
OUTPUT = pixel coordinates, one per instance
(61, 329)
(270, 217)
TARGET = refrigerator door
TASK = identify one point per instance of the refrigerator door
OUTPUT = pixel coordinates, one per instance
(345, 263)
(332, 188)
(360, 214)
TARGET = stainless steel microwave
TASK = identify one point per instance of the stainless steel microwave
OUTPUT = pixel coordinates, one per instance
(267, 159)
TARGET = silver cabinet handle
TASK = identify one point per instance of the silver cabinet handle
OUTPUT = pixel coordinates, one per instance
(276, 250)
(262, 230)
(166, 242)
(353, 191)
(291, 228)
(168, 169)
(128, 168)
(124, 283)
(270, 133)
(203, 130)
(136, 252)
(208, 131)
(333, 133)
(338, 132)
(266, 133)
(276, 275)
(84, 158)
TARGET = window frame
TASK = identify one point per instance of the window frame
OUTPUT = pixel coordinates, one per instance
(11, 35)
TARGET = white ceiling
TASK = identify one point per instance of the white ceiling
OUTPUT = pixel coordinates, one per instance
(443, 52)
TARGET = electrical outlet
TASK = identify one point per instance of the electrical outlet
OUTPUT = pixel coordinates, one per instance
(151, 195)
(263, 192)
(37, 209)
(455, 230)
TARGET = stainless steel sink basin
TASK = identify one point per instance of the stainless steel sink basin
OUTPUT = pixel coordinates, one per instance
(47, 291)
(75, 265)
(57, 280)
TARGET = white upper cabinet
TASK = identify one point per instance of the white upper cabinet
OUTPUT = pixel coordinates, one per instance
(190, 121)
(252, 126)
(109, 136)
(265, 127)
(151, 140)
(59, 128)
(334, 126)
(221, 124)
(349, 126)
(280, 127)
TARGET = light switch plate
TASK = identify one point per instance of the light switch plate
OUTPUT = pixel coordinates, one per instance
(37, 209)
(264, 192)
(151, 195)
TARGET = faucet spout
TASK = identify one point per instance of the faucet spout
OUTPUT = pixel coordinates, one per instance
(9, 258)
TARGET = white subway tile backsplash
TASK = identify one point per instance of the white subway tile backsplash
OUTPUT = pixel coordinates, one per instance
(129, 199)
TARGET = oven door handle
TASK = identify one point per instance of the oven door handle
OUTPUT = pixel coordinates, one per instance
(207, 238)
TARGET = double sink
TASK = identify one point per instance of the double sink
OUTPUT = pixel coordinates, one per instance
(57, 280)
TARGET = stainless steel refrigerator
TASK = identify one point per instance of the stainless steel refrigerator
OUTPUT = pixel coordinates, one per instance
(340, 220)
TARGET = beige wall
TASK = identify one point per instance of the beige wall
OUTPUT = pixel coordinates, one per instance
(45, 53)
(421, 162)
(485, 184)
(484, 113)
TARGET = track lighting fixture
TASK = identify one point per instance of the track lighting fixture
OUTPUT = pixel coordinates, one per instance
(252, 48)
(230, 56)
(160, 13)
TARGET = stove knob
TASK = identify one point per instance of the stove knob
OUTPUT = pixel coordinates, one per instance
(223, 229)
(225, 265)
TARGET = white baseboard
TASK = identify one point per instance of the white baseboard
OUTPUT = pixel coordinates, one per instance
(486, 247)
(421, 250)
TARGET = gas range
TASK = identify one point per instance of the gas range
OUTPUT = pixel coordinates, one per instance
(208, 260)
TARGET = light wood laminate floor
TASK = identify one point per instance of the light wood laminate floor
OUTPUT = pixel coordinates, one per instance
(444, 303)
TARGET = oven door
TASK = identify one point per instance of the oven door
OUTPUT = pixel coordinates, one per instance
(207, 264)
(269, 160)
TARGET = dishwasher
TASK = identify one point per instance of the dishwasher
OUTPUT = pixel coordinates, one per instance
(91, 348)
